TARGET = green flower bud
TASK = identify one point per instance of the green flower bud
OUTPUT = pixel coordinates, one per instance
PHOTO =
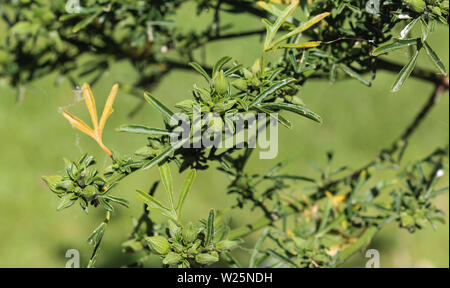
(171, 259)
(224, 106)
(407, 220)
(436, 10)
(420, 221)
(226, 245)
(185, 105)
(190, 233)
(240, 84)
(174, 229)
(89, 192)
(206, 259)
(203, 94)
(66, 185)
(444, 5)
(177, 247)
(410, 202)
(221, 83)
(158, 244)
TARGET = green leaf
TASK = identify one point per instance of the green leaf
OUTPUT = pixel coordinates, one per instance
(210, 228)
(66, 201)
(258, 245)
(85, 22)
(158, 105)
(233, 69)
(97, 235)
(148, 199)
(117, 200)
(200, 70)
(395, 45)
(166, 153)
(297, 45)
(141, 129)
(52, 182)
(283, 121)
(303, 27)
(218, 66)
(355, 75)
(272, 29)
(293, 108)
(405, 73)
(158, 244)
(270, 90)
(166, 179)
(281, 257)
(325, 215)
(105, 204)
(435, 58)
(185, 189)
(408, 28)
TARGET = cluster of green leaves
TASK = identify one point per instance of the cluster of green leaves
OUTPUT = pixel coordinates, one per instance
(82, 184)
(354, 36)
(192, 245)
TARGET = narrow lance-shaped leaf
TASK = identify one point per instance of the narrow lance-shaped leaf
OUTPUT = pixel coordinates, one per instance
(283, 121)
(258, 244)
(148, 199)
(185, 189)
(435, 58)
(303, 27)
(158, 105)
(141, 129)
(397, 44)
(295, 109)
(408, 28)
(350, 72)
(210, 228)
(273, 28)
(272, 89)
(66, 201)
(219, 65)
(85, 22)
(166, 179)
(166, 153)
(200, 70)
(281, 257)
(405, 72)
(303, 45)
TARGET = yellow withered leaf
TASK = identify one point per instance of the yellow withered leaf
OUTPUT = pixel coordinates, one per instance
(97, 132)
(108, 110)
(79, 124)
(90, 104)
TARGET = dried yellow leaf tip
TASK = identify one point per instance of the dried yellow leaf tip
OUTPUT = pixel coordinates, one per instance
(96, 132)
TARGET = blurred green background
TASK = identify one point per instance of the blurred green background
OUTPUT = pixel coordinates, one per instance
(358, 121)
